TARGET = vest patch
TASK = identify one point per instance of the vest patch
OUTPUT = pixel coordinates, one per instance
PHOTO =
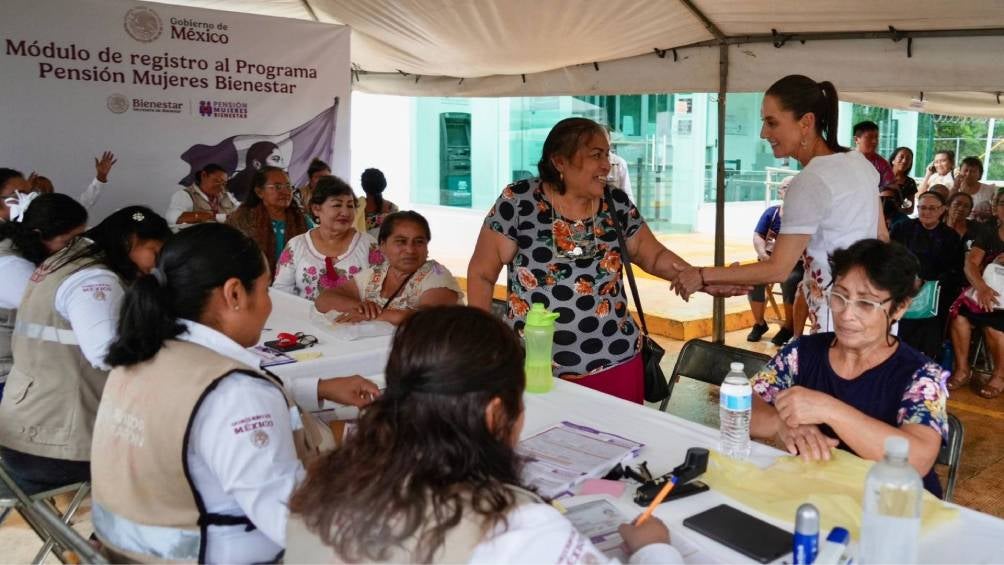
(252, 423)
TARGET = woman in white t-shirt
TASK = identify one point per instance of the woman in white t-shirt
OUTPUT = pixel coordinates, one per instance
(830, 204)
(333, 252)
(940, 171)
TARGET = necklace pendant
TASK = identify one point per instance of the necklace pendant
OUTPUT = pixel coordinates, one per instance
(576, 252)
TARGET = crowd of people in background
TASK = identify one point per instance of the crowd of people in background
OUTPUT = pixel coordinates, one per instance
(143, 307)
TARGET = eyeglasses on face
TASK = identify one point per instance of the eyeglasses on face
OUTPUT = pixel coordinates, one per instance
(280, 187)
(860, 307)
(929, 208)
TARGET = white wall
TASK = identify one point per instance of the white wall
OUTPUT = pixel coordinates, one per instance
(381, 138)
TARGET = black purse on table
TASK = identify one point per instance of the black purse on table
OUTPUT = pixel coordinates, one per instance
(656, 388)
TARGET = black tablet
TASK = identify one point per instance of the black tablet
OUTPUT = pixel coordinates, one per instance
(738, 530)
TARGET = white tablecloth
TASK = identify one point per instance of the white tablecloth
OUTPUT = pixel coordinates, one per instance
(366, 357)
(973, 538)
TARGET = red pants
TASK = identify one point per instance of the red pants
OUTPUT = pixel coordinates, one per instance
(625, 380)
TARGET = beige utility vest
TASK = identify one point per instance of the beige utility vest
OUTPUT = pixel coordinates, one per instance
(201, 204)
(7, 318)
(52, 390)
(139, 472)
(304, 546)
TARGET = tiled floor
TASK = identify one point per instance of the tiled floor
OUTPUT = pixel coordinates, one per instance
(981, 475)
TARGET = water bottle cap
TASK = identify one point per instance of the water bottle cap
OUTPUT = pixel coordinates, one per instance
(737, 367)
(539, 316)
(898, 447)
(807, 519)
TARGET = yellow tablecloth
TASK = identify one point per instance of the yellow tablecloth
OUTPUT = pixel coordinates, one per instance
(835, 487)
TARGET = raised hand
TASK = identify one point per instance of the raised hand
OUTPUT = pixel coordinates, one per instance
(104, 165)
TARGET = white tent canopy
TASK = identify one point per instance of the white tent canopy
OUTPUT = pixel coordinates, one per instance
(534, 48)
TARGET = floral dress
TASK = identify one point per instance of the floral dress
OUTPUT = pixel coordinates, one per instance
(906, 388)
(593, 330)
(304, 271)
(429, 276)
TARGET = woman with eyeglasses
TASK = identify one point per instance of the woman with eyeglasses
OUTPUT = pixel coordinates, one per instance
(269, 215)
(855, 386)
(557, 235)
(939, 250)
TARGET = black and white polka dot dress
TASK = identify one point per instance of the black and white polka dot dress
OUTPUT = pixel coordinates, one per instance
(574, 269)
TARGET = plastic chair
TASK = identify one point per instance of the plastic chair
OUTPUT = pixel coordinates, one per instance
(709, 362)
(39, 511)
(951, 453)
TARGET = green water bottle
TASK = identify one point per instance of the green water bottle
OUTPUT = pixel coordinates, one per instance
(538, 335)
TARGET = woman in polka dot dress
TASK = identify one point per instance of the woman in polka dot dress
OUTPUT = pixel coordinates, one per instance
(558, 238)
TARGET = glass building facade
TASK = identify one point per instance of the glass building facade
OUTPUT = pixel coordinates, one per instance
(465, 150)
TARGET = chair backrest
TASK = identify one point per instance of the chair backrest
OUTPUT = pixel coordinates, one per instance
(951, 452)
(709, 362)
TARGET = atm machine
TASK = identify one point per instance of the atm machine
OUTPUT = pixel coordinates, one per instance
(455, 159)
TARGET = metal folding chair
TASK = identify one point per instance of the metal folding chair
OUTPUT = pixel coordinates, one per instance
(709, 362)
(39, 510)
(951, 453)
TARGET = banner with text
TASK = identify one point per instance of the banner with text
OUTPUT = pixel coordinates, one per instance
(168, 89)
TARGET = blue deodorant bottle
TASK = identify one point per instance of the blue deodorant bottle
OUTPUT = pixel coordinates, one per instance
(806, 538)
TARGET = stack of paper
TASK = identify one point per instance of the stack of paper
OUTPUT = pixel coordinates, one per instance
(561, 457)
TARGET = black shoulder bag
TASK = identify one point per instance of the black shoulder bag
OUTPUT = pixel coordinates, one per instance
(656, 388)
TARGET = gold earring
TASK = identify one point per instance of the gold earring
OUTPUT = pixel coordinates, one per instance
(804, 142)
(561, 176)
(237, 307)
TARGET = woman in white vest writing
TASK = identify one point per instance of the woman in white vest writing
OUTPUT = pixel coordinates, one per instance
(196, 450)
(65, 322)
(32, 234)
(206, 200)
(431, 473)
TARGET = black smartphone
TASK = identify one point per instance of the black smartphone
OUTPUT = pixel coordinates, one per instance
(647, 492)
(746, 534)
(277, 345)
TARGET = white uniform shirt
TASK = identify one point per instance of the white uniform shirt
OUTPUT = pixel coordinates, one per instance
(181, 202)
(90, 299)
(537, 533)
(619, 176)
(237, 472)
(15, 271)
(90, 195)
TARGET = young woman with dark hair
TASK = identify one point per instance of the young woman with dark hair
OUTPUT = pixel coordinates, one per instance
(373, 205)
(901, 161)
(968, 181)
(941, 171)
(65, 323)
(431, 473)
(213, 443)
(40, 226)
(832, 202)
(330, 254)
(316, 170)
(269, 215)
(858, 385)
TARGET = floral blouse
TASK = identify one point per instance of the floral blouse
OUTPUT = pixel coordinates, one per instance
(574, 269)
(429, 276)
(907, 388)
(304, 271)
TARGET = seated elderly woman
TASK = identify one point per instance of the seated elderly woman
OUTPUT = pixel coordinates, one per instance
(408, 280)
(854, 387)
(269, 215)
(939, 251)
(980, 307)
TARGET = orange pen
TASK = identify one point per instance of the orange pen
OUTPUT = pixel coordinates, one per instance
(656, 502)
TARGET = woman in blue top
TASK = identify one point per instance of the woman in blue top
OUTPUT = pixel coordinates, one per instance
(269, 215)
(856, 386)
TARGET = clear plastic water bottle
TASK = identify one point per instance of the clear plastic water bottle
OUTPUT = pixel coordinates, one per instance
(735, 406)
(890, 525)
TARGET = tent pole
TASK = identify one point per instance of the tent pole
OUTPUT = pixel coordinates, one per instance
(718, 310)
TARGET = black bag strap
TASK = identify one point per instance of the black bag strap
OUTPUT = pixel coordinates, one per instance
(625, 257)
(398, 291)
